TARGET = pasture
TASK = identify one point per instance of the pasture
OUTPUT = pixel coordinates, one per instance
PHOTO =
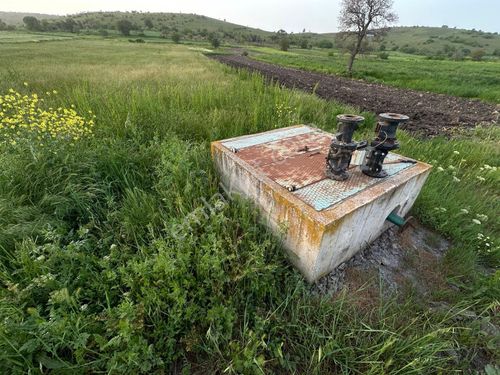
(470, 79)
(93, 280)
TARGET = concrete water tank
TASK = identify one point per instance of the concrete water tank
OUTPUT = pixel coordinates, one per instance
(323, 222)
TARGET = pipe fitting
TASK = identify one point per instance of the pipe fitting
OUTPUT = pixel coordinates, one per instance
(399, 221)
(384, 141)
(342, 147)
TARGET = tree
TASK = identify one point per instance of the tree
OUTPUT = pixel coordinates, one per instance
(283, 40)
(325, 43)
(148, 23)
(69, 25)
(45, 25)
(32, 23)
(357, 16)
(176, 38)
(478, 54)
(124, 27)
(284, 44)
(214, 40)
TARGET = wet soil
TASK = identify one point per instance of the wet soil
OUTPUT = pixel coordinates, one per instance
(430, 114)
(396, 262)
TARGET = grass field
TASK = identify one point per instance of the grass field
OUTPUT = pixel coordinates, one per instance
(23, 36)
(469, 79)
(93, 279)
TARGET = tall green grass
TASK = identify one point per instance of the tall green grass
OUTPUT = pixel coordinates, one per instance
(104, 268)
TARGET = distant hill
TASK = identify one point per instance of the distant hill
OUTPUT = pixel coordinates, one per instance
(180, 21)
(430, 41)
(16, 18)
(190, 26)
(440, 40)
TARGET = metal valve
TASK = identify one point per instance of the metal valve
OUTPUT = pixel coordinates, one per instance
(384, 142)
(342, 147)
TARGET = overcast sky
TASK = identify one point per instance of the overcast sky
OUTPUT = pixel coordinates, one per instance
(290, 15)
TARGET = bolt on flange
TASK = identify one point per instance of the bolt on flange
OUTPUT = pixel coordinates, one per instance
(342, 147)
(384, 142)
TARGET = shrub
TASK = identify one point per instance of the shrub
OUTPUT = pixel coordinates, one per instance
(439, 56)
(383, 55)
(176, 38)
(214, 40)
(325, 43)
(304, 44)
(284, 44)
(124, 27)
(409, 50)
(148, 23)
(458, 56)
(244, 53)
(32, 23)
(478, 54)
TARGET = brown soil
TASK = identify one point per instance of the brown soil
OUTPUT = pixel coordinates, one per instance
(430, 114)
(408, 262)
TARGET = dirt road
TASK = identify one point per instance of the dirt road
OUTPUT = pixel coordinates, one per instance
(430, 114)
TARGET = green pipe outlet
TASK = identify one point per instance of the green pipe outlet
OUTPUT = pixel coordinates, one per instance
(396, 219)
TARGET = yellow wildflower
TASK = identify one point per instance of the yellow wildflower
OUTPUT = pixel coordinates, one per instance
(23, 119)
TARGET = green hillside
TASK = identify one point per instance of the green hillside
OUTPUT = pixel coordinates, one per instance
(189, 26)
(427, 41)
(186, 23)
(16, 18)
(444, 40)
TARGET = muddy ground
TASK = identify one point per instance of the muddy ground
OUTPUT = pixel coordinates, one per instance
(395, 262)
(406, 264)
(430, 114)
